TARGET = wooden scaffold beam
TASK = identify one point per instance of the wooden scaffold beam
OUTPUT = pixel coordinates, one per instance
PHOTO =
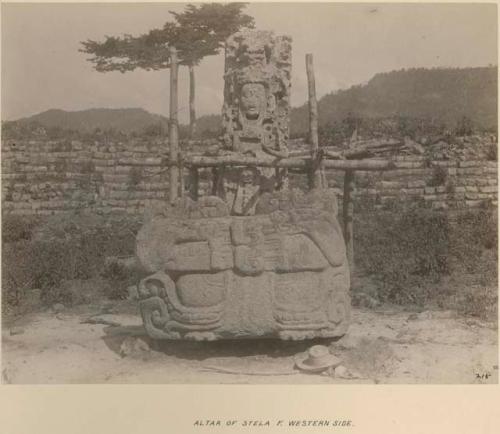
(290, 163)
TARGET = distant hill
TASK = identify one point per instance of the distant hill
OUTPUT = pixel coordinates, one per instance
(442, 95)
(85, 121)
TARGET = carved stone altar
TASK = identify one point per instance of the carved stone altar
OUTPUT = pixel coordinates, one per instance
(260, 260)
(280, 273)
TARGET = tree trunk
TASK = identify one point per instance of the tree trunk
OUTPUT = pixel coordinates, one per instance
(173, 135)
(192, 110)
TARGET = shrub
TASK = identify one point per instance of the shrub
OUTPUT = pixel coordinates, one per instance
(135, 176)
(17, 228)
(492, 152)
(438, 177)
(60, 249)
(473, 233)
(120, 277)
(409, 252)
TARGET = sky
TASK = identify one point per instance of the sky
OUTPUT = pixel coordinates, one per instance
(43, 69)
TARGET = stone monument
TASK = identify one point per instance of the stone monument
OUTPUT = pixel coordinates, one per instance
(261, 260)
(257, 76)
(256, 113)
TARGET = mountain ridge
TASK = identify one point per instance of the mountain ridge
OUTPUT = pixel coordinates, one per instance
(126, 120)
(443, 95)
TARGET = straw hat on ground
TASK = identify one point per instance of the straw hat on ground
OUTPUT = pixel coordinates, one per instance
(316, 359)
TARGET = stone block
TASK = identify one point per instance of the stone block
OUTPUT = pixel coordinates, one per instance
(390, 184)
(409, 164)
(123, 169)
(471, 196)
(473, 203)
(445, 163)
(439, 205)
(416, 184)
(489, 189)
(473, 171)
(368, 191)
(481, 182)
(470, 163)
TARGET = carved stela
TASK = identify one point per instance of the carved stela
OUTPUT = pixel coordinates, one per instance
(260, 260)
(256, 113)
(257, 77)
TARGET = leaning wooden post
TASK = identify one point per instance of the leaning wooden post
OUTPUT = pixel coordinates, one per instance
(348, 215)
(315, 179)
(173, 133)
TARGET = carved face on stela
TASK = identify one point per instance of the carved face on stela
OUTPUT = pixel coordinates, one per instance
(253, 101)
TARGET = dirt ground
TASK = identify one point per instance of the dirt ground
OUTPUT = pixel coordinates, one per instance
(95, 344)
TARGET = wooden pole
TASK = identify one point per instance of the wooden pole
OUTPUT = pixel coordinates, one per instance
(216, 175)
(194, 179)
(192, 110)
(182, 186)
(348, 215)
(173, 133)
(289, 163)
(315, 178)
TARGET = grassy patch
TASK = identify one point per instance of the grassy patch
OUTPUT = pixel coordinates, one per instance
(417, 257)
(48, 254)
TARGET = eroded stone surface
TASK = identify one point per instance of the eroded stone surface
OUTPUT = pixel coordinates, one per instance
(257, 91)
(282, 274)
(256, 113)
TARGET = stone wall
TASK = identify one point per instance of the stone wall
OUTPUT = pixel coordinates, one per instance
(439, 184)
(44, 177)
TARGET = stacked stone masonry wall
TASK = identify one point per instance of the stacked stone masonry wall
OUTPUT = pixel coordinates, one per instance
(439, 184)
(44, 177)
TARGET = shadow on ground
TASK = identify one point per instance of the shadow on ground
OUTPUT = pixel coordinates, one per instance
(192, 350)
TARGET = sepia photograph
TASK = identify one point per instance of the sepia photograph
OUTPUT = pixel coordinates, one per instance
(249, 193)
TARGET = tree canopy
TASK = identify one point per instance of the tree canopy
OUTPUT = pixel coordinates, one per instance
(197, 32)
